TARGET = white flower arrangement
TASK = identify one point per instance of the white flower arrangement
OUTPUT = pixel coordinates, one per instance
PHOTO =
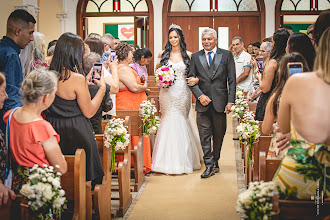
(43, 192)
(248, 131)
(239, 94)
(150, 121)
(256, 201)
(239, 108)
(116, 137)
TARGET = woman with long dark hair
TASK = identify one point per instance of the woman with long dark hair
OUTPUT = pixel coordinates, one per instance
(72, 107)
(177, 148)
(267, 79)
(300, 43)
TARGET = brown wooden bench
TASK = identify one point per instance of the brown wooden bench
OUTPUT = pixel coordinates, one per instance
(300, 209)
(125, 197)
(262, 145)
(252, 106)
(267, 167)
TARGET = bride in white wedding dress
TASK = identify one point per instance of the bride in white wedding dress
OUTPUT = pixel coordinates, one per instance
(177, 148)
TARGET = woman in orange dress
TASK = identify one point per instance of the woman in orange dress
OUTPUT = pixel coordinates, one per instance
(130, 96)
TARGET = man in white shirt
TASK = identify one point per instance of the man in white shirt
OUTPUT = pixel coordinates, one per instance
(243, 65)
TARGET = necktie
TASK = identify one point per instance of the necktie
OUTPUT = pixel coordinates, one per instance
(210, 57)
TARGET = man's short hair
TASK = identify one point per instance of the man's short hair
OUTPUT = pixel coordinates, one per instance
(210, 31)
(89, 59)
(107, 38)
(17, 18)
(237, 38)
(256, 44)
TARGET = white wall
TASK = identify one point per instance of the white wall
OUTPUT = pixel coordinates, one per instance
(95, 24)
(270, 17)
(70, 7)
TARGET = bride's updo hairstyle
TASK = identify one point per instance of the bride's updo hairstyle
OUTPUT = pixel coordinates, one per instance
(38, 83)
(122, 51)
(168, 47)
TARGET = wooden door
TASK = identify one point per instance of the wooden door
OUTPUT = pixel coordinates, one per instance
(245, 27)
(190, 27)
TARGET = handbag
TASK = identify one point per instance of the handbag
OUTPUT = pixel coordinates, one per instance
(9, 173)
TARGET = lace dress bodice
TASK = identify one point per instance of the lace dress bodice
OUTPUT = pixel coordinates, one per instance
(179, 93)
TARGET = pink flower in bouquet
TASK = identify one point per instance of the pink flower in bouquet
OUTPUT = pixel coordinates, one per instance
(164, 76)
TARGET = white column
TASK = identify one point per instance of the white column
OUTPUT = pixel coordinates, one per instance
(158, 28)
(270, 17)
(70, 23)
(62, 17)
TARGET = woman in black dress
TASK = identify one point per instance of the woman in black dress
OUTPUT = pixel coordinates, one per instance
(267, 79)
(73, 106)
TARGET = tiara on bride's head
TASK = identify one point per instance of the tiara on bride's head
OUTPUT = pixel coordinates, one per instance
(175, 26)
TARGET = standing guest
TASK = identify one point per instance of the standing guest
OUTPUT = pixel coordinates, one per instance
(141, 57)
(242, 64)
(20, 28)
(300, 43)
(5, 193)
(108, 42)
(50, 54)
(264, 54)
(288, 28)
(95, 45)
(33, 56)
(256, 48)
(94, 35)
(249, 48)
(304, 112)
(268, 39)
(310, 31)
(131, 94)
(117, 41)
(267, 80)
(32, 139)
(279, 141)
(321, 24)
(70, 112)
(106, 104)
(50, 44)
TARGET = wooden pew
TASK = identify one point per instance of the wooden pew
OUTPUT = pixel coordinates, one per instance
(102, 193)
(267, 167)
(252, 106)
(137, 153)
(300, 209)
(125, 197)
(261, 146)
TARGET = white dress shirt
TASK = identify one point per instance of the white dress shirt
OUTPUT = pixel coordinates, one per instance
(212, 54)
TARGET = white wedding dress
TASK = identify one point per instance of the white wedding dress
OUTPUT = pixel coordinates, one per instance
(177, 148)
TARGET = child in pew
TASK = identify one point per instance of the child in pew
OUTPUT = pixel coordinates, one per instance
(280, 141)
(32, 139)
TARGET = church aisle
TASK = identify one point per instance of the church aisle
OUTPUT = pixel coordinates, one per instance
(189, 196)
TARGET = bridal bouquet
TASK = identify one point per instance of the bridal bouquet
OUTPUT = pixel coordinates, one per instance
(44, 193)
(256, 201)
(116, 137)
(165, 76)
(248, 131)
(150, 121)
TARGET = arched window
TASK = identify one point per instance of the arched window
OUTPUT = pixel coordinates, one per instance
(117, 6)
(298, 7)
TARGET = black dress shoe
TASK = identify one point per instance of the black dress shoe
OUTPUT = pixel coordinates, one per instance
(216, 168)
(208, 172)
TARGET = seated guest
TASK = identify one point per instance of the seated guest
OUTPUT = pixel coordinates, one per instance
(264, 54)
(131, 94)
(5, 192)
(70, 112)
(304, 111)
(299, 42)
(267, 79)
(279, 141)
(32, 139)
(106, 104)
(33, 55)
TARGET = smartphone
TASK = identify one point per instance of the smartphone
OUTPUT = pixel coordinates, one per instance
(260, 64)
(97, 69)
(112, 55)
(295, 67)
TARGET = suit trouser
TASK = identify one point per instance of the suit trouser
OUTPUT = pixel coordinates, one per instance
(211, 124)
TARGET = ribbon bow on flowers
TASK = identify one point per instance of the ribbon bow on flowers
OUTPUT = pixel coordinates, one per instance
(248, 131)
(150, 121)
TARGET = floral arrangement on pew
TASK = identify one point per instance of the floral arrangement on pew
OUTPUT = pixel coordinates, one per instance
(44, 193)
(116, 137)
(248, 131)
(256, 201)
(165, 76)
(150, 121)
(240, 106)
